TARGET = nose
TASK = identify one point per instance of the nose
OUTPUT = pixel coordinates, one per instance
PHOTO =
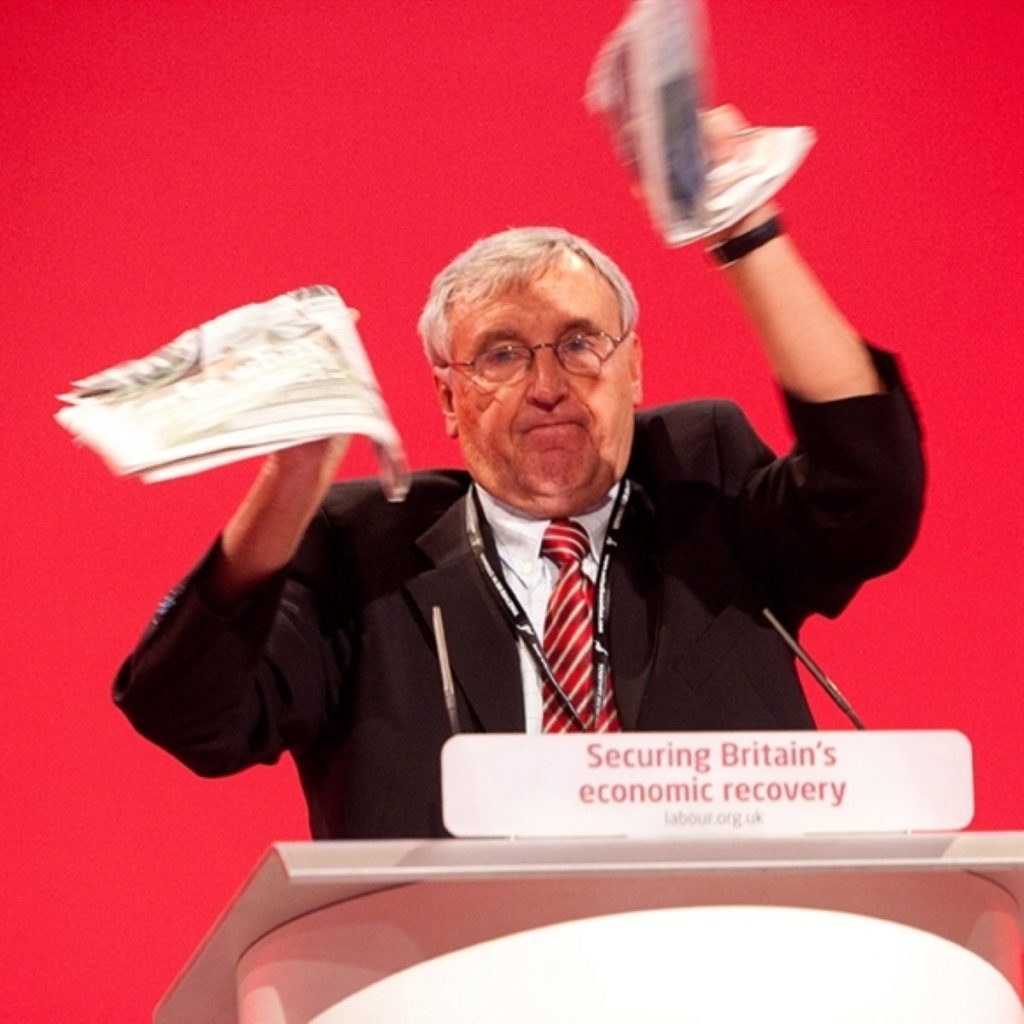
(548, 380)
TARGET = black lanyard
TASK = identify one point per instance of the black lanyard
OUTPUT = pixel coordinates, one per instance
(519, 620)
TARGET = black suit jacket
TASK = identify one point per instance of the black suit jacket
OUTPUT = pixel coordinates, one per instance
(334, 660)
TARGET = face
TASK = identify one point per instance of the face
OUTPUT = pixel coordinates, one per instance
(552, 444)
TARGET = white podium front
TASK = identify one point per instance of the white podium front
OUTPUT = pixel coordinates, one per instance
(902, 928)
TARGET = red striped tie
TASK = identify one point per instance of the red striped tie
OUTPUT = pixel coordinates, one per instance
(569, 636)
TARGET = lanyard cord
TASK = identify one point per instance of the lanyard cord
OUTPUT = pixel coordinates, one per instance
(518, 619)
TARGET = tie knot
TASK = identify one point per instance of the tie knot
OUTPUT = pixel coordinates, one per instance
(565, 542)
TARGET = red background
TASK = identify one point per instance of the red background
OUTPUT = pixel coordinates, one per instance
(163, 162)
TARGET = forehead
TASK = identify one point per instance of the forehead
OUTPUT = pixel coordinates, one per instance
(568, 292)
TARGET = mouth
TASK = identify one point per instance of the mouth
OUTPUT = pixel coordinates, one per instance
(554, 434)
(541, 426)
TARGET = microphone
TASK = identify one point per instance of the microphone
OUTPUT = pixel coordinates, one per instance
(447, 680)
(827, 685)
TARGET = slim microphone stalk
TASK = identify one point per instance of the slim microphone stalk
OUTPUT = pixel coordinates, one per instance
(447, 681)
(827, 685)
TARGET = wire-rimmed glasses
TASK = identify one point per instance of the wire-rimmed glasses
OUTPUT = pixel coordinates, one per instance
(582, 353)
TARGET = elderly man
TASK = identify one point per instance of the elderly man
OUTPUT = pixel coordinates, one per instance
(309, 628)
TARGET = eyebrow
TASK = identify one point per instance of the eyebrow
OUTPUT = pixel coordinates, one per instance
(506, 334)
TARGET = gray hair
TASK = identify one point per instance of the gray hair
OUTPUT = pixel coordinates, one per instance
(505, 261)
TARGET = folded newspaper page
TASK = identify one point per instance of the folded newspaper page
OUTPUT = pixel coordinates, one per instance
(263, 377)
(648, 82)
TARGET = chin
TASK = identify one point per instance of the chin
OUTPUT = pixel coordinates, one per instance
(566, 499)
(551, 485)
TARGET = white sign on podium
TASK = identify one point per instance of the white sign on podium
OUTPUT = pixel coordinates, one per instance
(710, 783)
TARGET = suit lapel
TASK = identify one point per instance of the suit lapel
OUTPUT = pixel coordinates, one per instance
(635, 608)
(483, 654)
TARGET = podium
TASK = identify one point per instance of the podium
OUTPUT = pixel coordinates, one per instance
(901, 927)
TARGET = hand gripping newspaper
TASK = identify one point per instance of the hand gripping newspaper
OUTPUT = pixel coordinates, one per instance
(259, 378)
(649, 82)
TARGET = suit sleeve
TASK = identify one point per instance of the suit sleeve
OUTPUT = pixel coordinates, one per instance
(843, 506)
(224, 691)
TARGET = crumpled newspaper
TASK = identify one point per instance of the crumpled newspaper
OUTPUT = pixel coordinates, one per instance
(648, 82)
(259, 378)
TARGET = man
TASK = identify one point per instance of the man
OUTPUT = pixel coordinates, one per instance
(310, 627)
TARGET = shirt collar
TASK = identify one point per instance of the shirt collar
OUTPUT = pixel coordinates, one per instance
(518, 536)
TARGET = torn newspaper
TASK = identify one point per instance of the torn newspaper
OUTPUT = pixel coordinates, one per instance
(259, 378)
(649, 84)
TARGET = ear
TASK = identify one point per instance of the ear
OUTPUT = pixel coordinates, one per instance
(447, 399)
(636, 360)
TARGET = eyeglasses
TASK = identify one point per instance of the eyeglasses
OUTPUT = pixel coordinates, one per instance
(582, 354)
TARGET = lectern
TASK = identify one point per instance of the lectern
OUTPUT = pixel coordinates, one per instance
(901, 928)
